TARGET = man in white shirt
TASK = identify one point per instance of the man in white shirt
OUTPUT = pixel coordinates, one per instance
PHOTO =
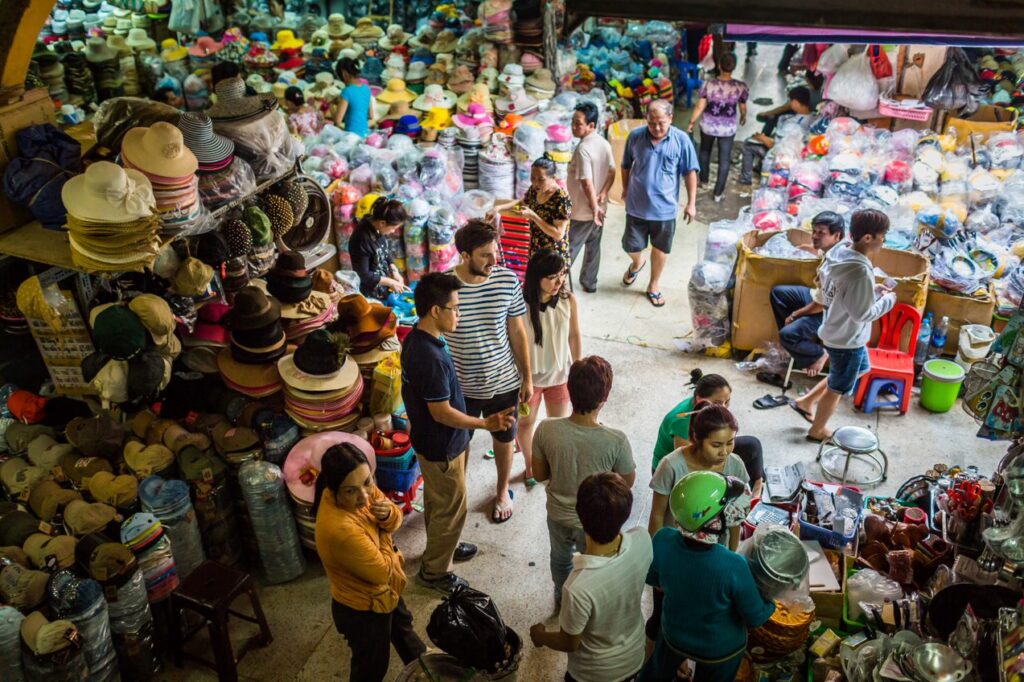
(591, 174)
(601, 625)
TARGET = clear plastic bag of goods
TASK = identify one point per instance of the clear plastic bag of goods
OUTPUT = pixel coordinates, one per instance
(982, 220)
(117, 116)
(474, 205)
(956, 271)
(720, 246)
(982, 187)
(778, 562)
(879, 197)
(870, 587)
(530, 137)
(771, 220)
(766, 199)
(833, 58)
(1005, 151)
(779, 246)
(266, 498)
(224, 186)
(264, 142)
(10, 644)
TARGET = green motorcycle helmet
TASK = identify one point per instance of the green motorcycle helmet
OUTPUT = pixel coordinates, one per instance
(700, 497)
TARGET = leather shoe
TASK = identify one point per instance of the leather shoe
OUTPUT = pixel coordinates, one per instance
(465, 551)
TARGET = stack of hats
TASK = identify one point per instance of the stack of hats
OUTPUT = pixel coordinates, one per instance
(480, 94)
(143, 534)
(204, 54)
(263, 254)
(125, 366)
(529, 23)
(257, 340)
(511, 77)
(322, 389)
(531, 61)
(475, 125)
(540, 84)
(434, 97)
(497, 20)
(140, 42)
(222, 176)
(207, 337)
(415, 75)
(338, 30)
(303, 309)
(516, 102)
(394, 66)
(159, 152)
(169, 501)
(366, 33)
(111, 223)
(368, 325)
(234, 46)
(53, 73)
(260, 58)
(106, 69)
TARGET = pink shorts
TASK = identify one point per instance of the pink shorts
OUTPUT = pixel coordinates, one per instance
(553, 395)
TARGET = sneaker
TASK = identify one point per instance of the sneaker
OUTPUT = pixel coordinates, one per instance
(446, 584)
(719, 198)
(465, 551)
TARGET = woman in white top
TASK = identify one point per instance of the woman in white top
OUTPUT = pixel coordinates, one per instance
(553, 328)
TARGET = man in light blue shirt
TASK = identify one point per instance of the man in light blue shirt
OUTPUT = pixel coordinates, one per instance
(656, 157)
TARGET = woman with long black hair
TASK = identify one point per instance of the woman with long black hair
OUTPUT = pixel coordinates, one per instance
(553, 329)
(371, 251)
(354, 527)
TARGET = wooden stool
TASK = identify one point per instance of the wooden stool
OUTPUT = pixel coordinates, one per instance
(209, 591)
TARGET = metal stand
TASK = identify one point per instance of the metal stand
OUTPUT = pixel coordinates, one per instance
(852, 443)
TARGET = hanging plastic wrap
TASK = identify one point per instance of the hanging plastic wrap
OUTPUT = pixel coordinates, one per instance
(267, 500)
(779, 563)
(131, 627)
(117, 116)
(224, 186)
(169, 501)
(10, 644)
(441, 235)
(81, 601)
(264, 142)
(709, 303)
(67, 665)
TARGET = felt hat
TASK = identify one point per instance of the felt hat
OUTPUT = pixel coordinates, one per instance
(171, 51)
(118, 332)
(359, 316)
(82, 518)
(253, 309)
(44, 638)
(106, 192)
(475, 115)
(286, 40)
(97, 51)
(396, 91)
(395, 36)
(197, 132)
(232, 103)
(434, 97)
(480, 94)
(445, 42)
(316, 365)
(41, 549)
(337, 27)
(255, 379)
(205, 46)
(437, 118)
(140, 41)
(366, 31)
(159, 150)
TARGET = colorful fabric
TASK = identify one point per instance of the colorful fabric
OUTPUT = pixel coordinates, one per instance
(556, 208)
(721, 118)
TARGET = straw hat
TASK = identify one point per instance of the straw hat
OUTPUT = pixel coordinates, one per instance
(159, 150)
(517, 102)
(140, 41)
(512, 76)
(438, 118)
(232, 104)
(197, 132)
(337, 27)
(434, 96)
(396, 91)
(445, 43)
(171, 51)
(205, 47)
(461, 81)
(97, 50)
(398, 110)
(416, 72)
(318, 41)
(541, 82)
(480, 94)
(366, 31)
(286, 40)
(118, 44)
(394, 37)
(106, 192)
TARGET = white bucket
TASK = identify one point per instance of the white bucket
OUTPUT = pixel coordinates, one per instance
(975, 342)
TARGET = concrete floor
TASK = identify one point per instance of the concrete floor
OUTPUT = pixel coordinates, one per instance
(650, 375)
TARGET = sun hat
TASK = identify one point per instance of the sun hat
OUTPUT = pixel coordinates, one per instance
(319, 40)
(41, 549)
(82, 518)
(118, 44)
(445, 42)
(416, 72)
(232, 104)
(437, 118)
(106, 192)
(398, 110)
(395, 36)
(97, 51)
(366, 31)
(252, 379)
(253, 309)
(517, 102)
(489, 77)
(156, 316)
(286, 40)
(140, 41)
(512, 76)
(337, 27)
(509, 123)
(542, 83)
(302, 465)
(461, 81)
(118, 332)
(44, 637)
(159, 150)
(197, 133)
(479, 95)
(475, 115)
(434, 96)
(205, 47)
(171, 51)
(396, 91)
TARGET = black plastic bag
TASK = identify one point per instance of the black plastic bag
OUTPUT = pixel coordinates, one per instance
(955, 86)
(467, 625)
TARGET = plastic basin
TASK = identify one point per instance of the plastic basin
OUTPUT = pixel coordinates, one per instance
(940, 385)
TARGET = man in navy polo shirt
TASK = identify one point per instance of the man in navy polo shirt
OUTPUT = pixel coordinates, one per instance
(440, 429)
(656, 157)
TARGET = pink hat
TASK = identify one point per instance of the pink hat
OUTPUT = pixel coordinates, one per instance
(207, 334)
(303, 462)
(476, 115)
(559, 133)
(205, 47)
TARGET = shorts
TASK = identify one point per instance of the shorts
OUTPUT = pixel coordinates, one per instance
(845, 366)
(553, 395)
(483, 407)
(639, 231)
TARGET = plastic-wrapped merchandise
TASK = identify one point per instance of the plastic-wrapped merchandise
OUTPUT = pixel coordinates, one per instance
(720, 246)
(264, 142)
(145, 536)
(957, 272)
(169, 501)
(941, 222)
(221, 187)
(1005, 151)
(768, 221)
(778, 562)
(131, 627)
(10, 644)
(417, 258)
(441, 236)
(68, 665)
(474, 205)
(779, 246)
(497, 177)
(709, 303)
(206, 474)
(81, 601)
(117, 116)
(265, 495)
(870, 587)
(982, 187)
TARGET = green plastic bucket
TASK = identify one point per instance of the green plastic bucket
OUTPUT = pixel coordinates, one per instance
(940, 385)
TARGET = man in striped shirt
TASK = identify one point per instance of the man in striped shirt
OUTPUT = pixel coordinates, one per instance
(490, 345)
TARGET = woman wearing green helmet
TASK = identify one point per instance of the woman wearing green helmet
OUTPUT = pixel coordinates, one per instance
(711, 599)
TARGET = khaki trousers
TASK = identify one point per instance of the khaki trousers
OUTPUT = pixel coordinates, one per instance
(444, 511)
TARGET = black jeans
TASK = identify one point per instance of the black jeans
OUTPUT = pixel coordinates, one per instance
(800, 337)
(370, 636)
(724, 161)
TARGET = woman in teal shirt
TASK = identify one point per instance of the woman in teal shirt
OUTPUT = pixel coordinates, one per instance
(356, 100)
(674, 431)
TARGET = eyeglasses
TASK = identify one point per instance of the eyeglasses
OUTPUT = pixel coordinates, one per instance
(454, 309)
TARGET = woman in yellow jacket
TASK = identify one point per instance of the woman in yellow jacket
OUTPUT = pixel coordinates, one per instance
(354, 523)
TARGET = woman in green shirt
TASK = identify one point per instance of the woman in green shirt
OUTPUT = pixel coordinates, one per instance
(674, 431)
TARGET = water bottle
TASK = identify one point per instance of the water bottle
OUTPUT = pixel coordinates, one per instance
(924, 339)
(938, 343)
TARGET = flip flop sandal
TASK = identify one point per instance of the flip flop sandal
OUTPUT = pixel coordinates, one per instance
(656, 299)
(812, 439)
(808, 417)
(531, 482)
(489, 454)
(769, 401)
(494, 514)
(631, 275)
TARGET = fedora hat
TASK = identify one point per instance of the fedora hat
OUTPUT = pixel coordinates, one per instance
(480, 94)
(208, 147)
(97, 50)
(140, 41)
(434, 97)
(159, 150)
(286, 40)
(337, 27)
(171, 51)
(358, 316)
(394, 37)
(366, 31)
(318, 368)
(252, 309)
(106, 192)
(252, 379)
(396, 91)
(233, 105)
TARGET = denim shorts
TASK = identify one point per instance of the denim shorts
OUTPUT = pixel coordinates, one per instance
(845, 366)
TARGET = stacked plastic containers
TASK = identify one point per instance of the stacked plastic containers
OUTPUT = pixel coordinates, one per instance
(169, 501)
(262, 485)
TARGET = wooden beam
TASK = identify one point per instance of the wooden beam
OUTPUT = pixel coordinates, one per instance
(974, 17)
(20, 24)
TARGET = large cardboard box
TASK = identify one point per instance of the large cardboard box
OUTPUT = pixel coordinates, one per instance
(753, 324)
(985, 122)
(961, 310)
(617, 134)
(34, 108)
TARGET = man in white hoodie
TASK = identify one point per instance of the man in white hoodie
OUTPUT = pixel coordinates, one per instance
(852, 302)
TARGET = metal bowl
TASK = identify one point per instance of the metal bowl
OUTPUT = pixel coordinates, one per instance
(936, 662)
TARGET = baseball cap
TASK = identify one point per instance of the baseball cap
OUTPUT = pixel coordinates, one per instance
(82, 518)
(146, 460)
(41, 547)
(117, 491)
(48, 499)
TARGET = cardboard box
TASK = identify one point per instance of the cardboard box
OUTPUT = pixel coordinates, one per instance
(961, 310)
(617, 134)
(35, 108)
(985, 122)
(828, 606)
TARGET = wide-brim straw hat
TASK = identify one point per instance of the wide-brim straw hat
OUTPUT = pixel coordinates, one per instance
(435, 97)
(208, 147)
(394, 37)
(337, 27)
(139, 40)
(106, 192)
(346, 377)
(159, 150)
(232, 104)
(396, 91)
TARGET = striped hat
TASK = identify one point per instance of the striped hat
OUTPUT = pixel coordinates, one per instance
(209, 147)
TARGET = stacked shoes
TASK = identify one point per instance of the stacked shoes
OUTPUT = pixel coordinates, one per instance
(159, 152)
(111, 224)
(249, 365)
(322, 389)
